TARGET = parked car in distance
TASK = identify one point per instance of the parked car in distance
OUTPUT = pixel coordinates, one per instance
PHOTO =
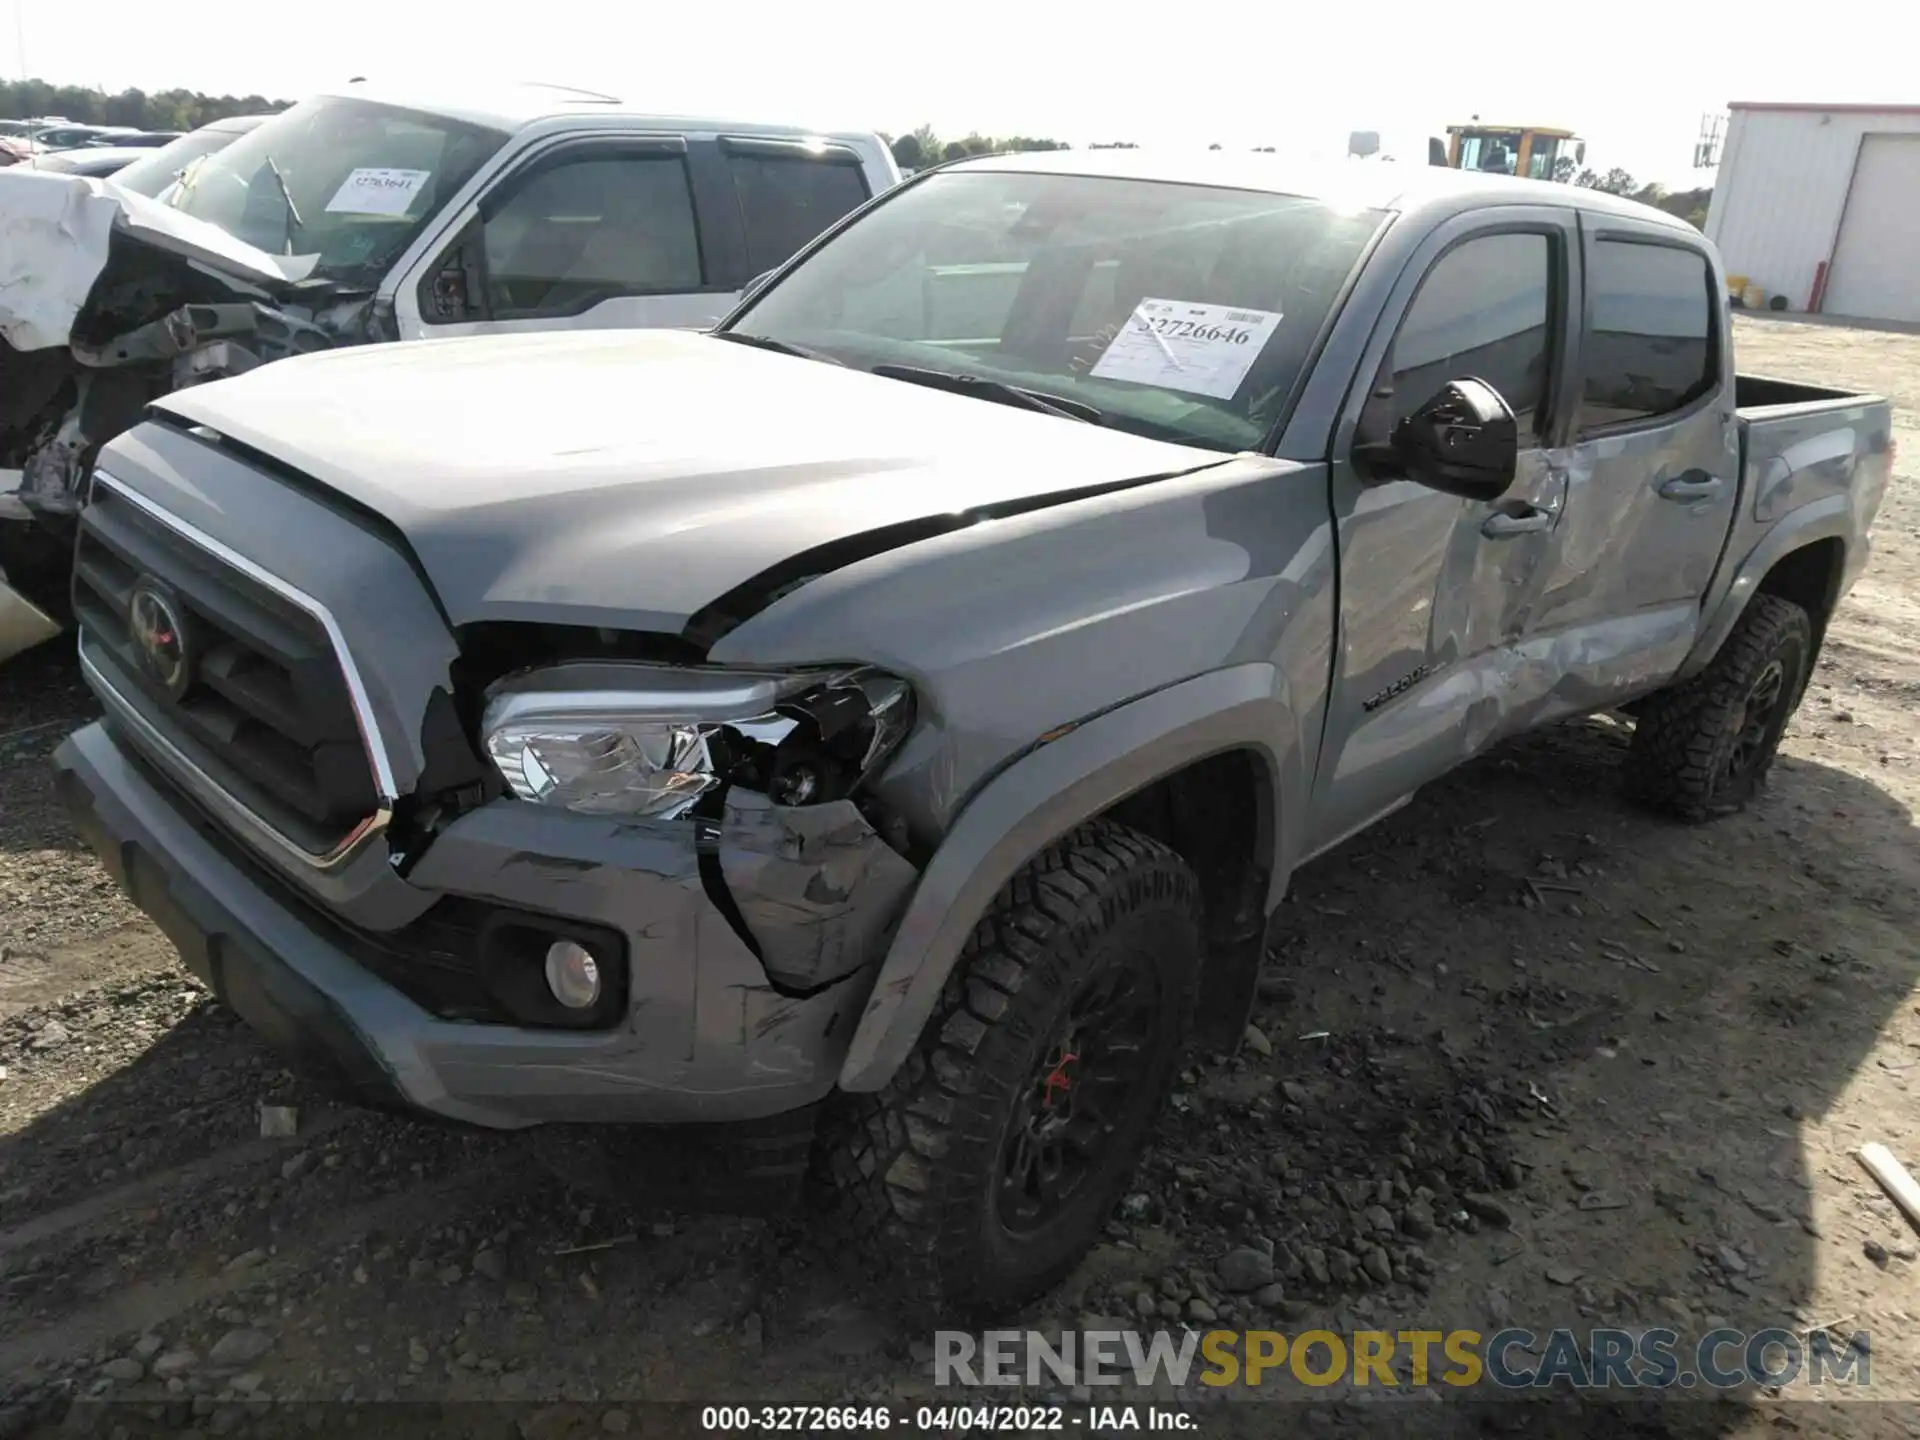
(372, 215)
(68, 137)
(142, 139)
(147, 169)
(890, 721)
(99, 161)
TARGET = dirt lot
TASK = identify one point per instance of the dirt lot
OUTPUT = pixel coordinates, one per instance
(1645, 1051)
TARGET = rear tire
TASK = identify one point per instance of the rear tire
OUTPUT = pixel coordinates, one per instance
(984, 1170)
(1703, 748)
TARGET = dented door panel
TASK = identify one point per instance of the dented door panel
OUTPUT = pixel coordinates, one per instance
(1653, 496)
(1437, 596)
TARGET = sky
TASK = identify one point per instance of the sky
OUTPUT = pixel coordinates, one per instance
(1632, 77)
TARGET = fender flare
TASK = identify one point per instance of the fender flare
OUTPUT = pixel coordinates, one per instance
(1829, 518)
(1035, 800)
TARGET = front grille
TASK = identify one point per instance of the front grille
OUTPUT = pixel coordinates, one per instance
(263, 708)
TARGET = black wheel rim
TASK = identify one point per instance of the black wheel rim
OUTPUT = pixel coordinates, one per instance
(1091, 1073)
(1765, 699)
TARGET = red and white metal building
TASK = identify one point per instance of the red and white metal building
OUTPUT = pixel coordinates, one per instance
(1821, 204)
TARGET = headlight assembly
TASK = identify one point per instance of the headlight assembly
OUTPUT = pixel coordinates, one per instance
(609, 738)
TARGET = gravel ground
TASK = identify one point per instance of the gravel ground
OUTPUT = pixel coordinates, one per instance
(1525, 1056)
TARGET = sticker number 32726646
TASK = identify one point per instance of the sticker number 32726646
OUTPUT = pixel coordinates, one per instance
(374, 191)
(1184, 345)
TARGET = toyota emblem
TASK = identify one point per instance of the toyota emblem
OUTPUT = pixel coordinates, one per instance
(158, 626)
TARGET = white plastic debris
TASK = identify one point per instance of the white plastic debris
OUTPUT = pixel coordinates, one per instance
(55, 236)
(278, 1122)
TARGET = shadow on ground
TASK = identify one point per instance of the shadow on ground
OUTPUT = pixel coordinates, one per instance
(1620, 1023)
(1672, 1009)
(42, 700)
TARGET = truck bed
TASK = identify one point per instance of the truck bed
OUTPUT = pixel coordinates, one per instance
(1764, 392)
(1804, 445)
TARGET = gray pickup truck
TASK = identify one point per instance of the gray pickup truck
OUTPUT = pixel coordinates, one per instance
(887, 723)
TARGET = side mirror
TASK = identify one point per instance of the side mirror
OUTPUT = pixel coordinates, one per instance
(1463, 442)
(455, 289)
(754, 286)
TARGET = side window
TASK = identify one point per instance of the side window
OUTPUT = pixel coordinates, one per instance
(1651, 347)
(787, 200)
(588, 230)
(1484, 309)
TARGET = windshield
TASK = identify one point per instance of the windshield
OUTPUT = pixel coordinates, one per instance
(1180, 311)
(156, 170)
(347, 180)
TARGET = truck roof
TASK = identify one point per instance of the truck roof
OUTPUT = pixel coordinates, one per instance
(1368, 184)
(514, 106)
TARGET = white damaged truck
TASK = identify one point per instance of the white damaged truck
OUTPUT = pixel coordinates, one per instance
(363, 216)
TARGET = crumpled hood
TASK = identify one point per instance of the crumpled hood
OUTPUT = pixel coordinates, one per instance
(55, 234)
(630, 478)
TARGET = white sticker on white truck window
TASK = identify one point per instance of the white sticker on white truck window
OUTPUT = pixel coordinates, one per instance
(1181, 345)
(377, 192)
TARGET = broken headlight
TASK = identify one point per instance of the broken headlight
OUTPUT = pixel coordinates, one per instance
(635, 739)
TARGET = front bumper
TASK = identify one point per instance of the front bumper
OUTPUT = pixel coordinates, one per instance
(706, 1036)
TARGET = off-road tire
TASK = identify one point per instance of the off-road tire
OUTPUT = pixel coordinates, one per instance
(1685, 736)
(907, 1178)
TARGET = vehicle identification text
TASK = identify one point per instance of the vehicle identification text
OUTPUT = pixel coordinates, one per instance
(375, 191)
(1185, 345)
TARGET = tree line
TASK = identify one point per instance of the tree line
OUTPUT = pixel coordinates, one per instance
(162, 110)
(1688, 205)
(922, 147)
(915, 150)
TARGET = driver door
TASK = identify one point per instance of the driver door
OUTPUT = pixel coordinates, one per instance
(1437, 593)
(584, 233)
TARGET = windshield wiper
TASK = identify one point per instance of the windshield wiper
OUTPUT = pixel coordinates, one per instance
(996, 390)
(779, 347)
(294, 222)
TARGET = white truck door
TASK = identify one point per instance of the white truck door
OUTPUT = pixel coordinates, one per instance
(586, 233)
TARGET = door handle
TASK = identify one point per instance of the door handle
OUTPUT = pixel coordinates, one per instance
(1691, 485)
(1505, 524)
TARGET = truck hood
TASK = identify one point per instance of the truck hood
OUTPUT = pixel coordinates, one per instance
(56, 232)
(632, 478)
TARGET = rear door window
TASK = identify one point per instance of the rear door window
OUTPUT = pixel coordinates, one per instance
(1649, 350)
(787, 199)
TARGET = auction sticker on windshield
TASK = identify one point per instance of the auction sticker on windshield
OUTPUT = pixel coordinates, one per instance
(375, 191)
(1181, 345)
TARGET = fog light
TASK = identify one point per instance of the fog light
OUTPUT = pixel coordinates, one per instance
(573, 975)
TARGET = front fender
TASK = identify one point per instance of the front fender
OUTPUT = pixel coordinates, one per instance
(1829, 518)
(1037, 799)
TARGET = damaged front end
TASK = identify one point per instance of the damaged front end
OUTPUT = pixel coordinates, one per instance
(107, 302)
(766, 770)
